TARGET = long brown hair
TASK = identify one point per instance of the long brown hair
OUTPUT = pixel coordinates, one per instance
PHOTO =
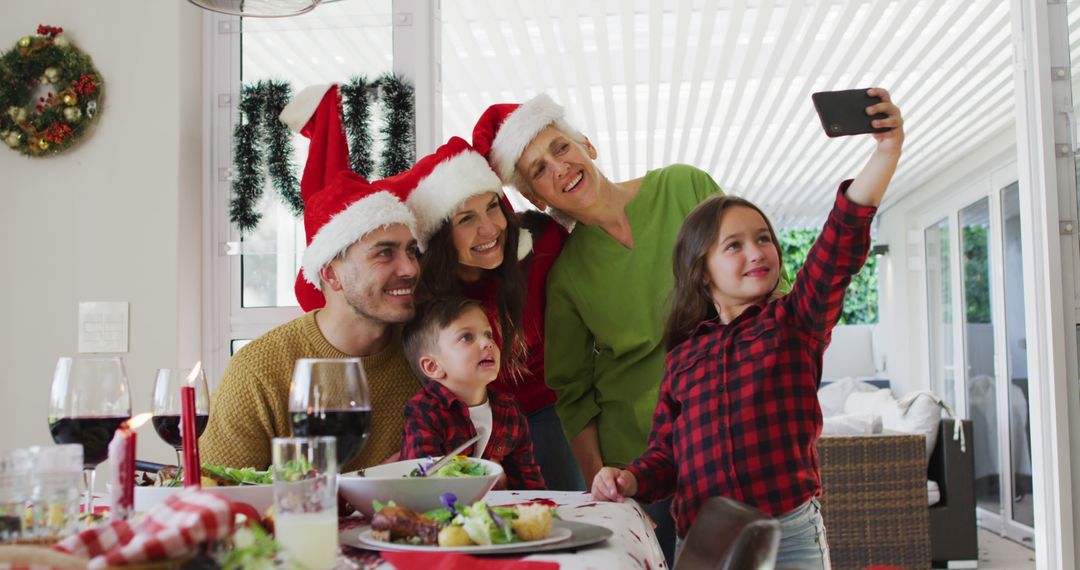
(690, 302)
(438, 278)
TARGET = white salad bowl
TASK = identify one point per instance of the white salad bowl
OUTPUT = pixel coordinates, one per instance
(391, 482)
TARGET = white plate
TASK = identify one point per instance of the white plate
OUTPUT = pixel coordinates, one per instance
(558, 534)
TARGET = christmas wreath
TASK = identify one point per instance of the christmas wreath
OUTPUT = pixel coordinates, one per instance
(50, 93)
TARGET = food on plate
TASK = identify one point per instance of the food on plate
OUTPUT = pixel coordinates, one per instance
(459, 466)
(454, 525)
(393, 523)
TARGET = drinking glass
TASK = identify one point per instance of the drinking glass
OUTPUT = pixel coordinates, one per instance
(305, 500)
(329, 396)
(167, 404)
(89, 399)
(14, 492)
(55, 490)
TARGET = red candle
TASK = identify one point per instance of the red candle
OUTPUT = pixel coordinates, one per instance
(190, 437)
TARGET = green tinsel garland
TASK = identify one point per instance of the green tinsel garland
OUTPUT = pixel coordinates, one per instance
(259, 129)
(357, 119)
(399, 149)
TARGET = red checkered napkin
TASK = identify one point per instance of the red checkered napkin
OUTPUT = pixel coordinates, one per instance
(173, 529)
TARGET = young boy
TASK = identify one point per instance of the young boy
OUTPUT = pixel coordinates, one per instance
(451, 346)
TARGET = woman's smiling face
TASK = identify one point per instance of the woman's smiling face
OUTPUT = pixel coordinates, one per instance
(478, 230)
(560, 171)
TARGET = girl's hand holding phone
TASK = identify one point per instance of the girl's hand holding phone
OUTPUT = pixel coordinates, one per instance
(892, 140)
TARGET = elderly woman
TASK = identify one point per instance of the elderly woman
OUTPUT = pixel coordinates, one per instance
(471, 241)
(606, 293)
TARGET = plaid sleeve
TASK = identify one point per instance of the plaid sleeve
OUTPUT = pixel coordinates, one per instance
(421, 434)
(817, 298)
(522, 471)
(655, 470)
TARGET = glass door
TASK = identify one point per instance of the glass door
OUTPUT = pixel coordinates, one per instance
(1019, 424)
(940, 310)
(978, 333)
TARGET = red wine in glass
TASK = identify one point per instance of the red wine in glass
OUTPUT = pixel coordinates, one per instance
(94, 433)
(168, 428)
(349, 426)
(329, 396)
(167, 403)
(88, 400)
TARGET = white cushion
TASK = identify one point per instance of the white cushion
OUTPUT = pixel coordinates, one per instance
(919, 412)
(853, 424)
(933, 492)
(833, 395)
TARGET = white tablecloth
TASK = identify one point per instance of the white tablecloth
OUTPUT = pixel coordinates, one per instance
(633, 544)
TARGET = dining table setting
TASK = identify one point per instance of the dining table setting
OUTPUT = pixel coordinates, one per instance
(300, 511)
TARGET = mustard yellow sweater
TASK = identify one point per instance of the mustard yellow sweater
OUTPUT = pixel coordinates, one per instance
(251, 405)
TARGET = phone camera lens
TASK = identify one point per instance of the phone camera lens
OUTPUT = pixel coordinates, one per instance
(835, 128)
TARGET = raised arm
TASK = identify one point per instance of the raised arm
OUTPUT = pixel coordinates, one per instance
(869, 186)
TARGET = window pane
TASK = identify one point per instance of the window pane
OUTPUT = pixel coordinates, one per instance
(940, 309)
(330, 44)
(979, 352)
(1016, 340)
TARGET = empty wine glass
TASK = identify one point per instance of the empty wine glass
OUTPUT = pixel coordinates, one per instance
(167, 404)
(89, 399)
(329, 396)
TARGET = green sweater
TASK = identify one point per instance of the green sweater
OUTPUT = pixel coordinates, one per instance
(251, 405)
(604, 349)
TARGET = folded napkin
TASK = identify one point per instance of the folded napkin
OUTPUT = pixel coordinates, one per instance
(173, 529)
(455, 561)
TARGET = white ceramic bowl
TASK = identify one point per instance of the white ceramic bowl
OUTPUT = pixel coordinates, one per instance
(258, 496)
(391, 482)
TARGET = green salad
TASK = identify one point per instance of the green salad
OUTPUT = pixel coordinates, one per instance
(245, 475)
(459, 466)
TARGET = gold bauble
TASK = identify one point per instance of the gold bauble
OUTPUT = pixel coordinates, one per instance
(72, 114)
(43, 144)
(61, 41)
(69, 99)
(52, 74)
(24, 42)
(13, 139)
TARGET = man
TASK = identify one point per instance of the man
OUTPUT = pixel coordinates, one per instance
(361, 262)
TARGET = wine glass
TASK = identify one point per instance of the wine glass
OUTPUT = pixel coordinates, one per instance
(89, 399)
(329, 396)
(167, 404)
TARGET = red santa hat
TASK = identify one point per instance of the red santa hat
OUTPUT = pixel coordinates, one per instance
(505, 129)
(438, 183)
(340, 207)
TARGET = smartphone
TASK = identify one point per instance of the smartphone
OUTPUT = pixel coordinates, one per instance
(843, 113)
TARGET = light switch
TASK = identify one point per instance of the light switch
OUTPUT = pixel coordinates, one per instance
(103, 327)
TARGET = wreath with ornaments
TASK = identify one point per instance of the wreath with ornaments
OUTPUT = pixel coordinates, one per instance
(50, 93)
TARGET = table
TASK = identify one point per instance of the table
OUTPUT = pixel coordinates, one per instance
(633, 544)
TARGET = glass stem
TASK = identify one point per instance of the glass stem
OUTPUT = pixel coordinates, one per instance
(89, 475)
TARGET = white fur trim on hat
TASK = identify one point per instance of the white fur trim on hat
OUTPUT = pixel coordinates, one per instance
(450, 183)
(348, 226)
(525, 244)
(519, 128)
(299, 111)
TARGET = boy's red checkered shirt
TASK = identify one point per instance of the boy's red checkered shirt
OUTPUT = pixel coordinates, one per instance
(738, 414)
(437, 421)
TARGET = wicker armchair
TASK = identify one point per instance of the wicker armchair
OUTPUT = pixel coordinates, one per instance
(874, 500)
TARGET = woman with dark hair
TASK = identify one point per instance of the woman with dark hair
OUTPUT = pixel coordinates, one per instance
(471, 241)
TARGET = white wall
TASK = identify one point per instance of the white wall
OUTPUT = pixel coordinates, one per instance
(115, 219)
(902, 302)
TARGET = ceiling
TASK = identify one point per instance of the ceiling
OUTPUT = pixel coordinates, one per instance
(721, 84)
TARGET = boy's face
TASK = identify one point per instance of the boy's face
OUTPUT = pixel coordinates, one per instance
(465, 355)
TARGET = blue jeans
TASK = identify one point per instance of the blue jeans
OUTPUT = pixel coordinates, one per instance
(552, 451)
(803, 545)
(802, 539)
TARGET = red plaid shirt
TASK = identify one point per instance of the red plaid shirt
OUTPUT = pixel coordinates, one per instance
(738, 414)
(437, 421)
